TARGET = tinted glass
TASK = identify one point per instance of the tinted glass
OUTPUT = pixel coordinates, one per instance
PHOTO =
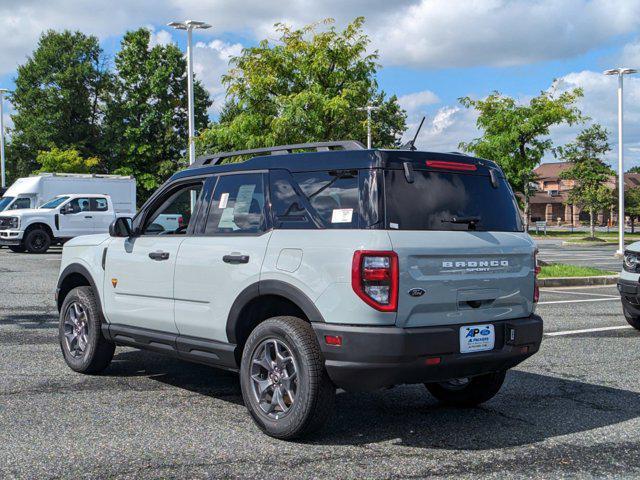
(99, 204)
(4, 201)
(173, 215)
(449, 201)
(334, 196)
(54, 202)
(237, 205)
(288, 205)
(78, 205)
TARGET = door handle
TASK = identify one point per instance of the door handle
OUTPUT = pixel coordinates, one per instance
(235, 259)
(88, 216)
(159, 256)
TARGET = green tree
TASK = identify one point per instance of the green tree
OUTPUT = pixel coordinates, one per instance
(306, 87)
(632, 205)
(58, 98)
(635, 169)
(516, 135)
(65, 161)
(589, 172)
(146, 121)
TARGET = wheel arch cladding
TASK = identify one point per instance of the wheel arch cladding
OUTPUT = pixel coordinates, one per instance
(266, 299)
(75, 275)
(41, 226)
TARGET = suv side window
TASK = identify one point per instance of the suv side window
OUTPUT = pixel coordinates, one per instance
(99, 204)
(333, 195)
(289, 207)
(173, 212)
(237, 205)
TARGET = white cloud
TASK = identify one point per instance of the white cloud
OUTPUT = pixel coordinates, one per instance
(162, 37)
(444, 131)
(630, 56)
(452, 124)
(424, 33)
(444, 33)
(600, 103)
(414, 101)
(211, 61)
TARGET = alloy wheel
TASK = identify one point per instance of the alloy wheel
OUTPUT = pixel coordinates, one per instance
(274, 378)
(76, 329)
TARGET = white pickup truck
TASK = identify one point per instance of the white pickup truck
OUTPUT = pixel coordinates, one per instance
(63, 217)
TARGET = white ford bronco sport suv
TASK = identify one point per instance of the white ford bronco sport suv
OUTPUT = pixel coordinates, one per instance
(341, 267)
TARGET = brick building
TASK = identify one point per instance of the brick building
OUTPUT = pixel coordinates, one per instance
(551, 201)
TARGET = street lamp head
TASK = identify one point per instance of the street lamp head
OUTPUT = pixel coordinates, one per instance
(189, 25)
(177, 25)
(620, 71)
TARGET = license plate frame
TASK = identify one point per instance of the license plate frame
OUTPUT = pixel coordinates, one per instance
(477, 338)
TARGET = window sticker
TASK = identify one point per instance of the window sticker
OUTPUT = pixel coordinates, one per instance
(342, 215)
(395, 226)
(226, 220)
(243, 199)
(224, 198)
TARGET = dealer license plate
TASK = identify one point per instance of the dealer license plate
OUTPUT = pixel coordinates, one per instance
(477, 338)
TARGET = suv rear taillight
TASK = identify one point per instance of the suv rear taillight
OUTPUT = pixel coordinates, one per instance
(536, 271)
(374, 278)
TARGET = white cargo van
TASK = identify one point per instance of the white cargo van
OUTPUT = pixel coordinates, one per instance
(32, 192)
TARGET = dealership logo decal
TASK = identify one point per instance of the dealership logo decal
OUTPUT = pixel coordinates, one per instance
(473, 265)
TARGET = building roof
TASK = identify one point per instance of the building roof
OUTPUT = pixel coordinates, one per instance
(544, 197)
(550, 170)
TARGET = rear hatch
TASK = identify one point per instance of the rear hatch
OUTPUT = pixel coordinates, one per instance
(463, 257)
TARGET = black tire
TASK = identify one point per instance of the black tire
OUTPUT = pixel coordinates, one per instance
(17, 248)
(477, 390)
(37, 241)
(315, 393)
(632, 320)
(98, 351)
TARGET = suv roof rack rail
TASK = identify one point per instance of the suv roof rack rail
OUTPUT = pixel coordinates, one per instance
(216, 158)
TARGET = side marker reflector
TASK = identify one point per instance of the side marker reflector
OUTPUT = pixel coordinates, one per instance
(335, 340)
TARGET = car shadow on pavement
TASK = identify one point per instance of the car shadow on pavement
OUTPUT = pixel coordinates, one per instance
(530, 408)
(193, 377)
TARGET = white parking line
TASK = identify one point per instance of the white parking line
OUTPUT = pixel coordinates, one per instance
(587, 330)
(581, 293)
(580, 301)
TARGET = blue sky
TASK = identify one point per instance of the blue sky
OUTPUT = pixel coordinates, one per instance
(431, 51)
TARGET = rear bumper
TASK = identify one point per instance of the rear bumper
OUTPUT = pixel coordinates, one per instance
(630, 296)
(375, 357)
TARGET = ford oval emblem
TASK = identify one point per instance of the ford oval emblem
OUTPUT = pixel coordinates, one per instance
(416, 292)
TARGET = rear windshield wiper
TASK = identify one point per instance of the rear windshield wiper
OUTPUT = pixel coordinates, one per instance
(461, 220)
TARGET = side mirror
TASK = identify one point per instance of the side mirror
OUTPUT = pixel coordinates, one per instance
(67, 209)
(121, 227)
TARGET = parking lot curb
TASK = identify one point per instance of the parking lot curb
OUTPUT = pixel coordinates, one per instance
(577, 281)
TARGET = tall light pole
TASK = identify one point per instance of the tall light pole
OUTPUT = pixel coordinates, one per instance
(369, 109)
(190, 26)
(2, 159)
(620, 72)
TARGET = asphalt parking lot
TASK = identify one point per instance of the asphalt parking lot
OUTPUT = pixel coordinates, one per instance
(597, 256)
(573, 410)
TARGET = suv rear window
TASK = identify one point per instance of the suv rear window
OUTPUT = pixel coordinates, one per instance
(333, 195)
(308, 200)
(449, 201)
